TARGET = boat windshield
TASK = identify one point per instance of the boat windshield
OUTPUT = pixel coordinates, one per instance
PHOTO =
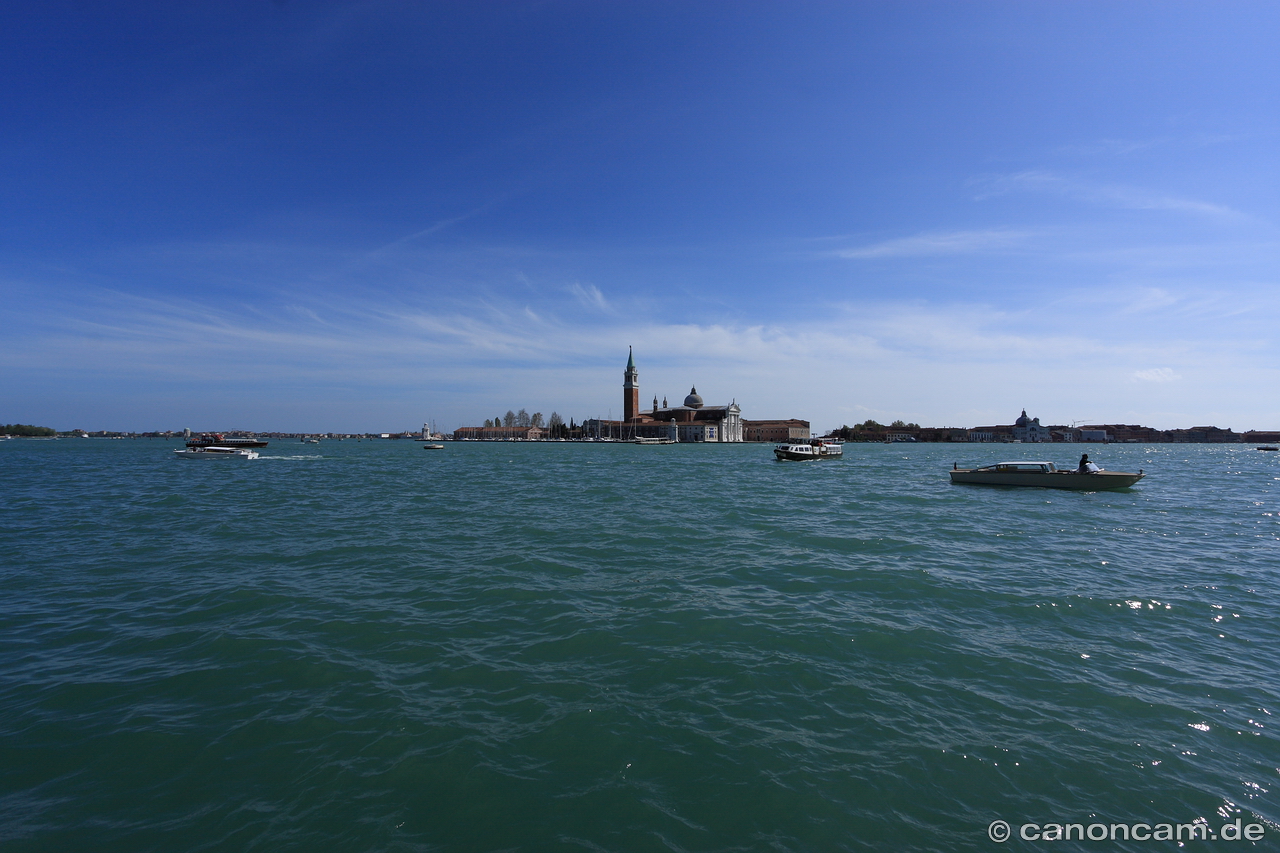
(1020, 466)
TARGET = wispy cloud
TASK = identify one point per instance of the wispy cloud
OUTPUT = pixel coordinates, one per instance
(938, 243)
(1109, 147)
(1156, 374)
(353, 364)
(590, 296)
(1112, 195)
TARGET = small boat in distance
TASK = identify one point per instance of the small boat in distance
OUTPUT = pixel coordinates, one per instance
(1268, 447)
(433, 447)
(644, 440)
(215, 452)
(816, 448)
(1045, 475)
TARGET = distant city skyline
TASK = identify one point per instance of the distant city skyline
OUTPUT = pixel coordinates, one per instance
(357, 217)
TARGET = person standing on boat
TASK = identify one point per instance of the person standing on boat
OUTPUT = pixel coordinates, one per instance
(1086, 467)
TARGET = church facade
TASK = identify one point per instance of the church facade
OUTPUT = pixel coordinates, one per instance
(1027, 429)
(692, 421)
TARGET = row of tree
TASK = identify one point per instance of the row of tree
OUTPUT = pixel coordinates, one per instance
(26, 429)
(518, 419)
(870, 430)
(553, 426)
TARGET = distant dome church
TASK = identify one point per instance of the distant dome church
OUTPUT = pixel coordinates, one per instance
(693, 421)
(1028, 429)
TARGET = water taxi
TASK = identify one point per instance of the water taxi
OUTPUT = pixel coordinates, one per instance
(1045, 475)
(214, 452)
(816, 448)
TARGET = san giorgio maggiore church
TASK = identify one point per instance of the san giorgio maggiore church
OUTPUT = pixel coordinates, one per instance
(693, 421)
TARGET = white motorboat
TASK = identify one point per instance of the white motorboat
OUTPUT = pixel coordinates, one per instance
(816, 448)
(214, 452)
(433, 447)
(1045, 475)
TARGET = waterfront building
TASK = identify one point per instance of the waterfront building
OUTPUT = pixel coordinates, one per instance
(1027, 429)
(1204, 435)
(789, 430)
(692, 421)
(498, 433)
(997, 432)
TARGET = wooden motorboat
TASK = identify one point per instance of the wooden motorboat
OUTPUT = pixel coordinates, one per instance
(1045, 475)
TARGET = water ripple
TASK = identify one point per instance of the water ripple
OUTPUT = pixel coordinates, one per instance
(523, 647)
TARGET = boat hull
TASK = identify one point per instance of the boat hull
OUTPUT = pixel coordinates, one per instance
(216, 453)
(1098, 481)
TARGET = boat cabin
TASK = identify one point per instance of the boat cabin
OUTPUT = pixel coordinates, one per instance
(1036, 467)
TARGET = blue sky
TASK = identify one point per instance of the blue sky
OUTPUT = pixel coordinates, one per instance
(358, 216)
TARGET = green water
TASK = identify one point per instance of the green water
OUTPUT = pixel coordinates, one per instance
(556, 647)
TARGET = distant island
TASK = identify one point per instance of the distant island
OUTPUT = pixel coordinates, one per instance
(867, 431)
(1030, 431)
(521, 426)
(27, 430)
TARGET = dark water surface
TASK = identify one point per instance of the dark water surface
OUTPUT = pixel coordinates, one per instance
(367, 647)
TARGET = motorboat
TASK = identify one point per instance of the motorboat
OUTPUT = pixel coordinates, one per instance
(1045, 475)
(1269, 447)
(214, 452)
(433, 447)
(646, 440)
(816, 448)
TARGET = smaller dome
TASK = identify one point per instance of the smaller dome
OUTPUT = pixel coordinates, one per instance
(693, 401)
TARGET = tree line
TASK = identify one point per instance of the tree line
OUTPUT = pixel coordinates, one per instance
(870, 430)
(27, 429)
(554, 425)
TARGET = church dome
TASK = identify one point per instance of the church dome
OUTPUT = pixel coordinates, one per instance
(693, 401)
(1022, 421)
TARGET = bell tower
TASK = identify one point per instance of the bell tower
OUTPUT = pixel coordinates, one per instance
(630, 389)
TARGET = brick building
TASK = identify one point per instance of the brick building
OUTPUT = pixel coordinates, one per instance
(792, 429)
(498, 433)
